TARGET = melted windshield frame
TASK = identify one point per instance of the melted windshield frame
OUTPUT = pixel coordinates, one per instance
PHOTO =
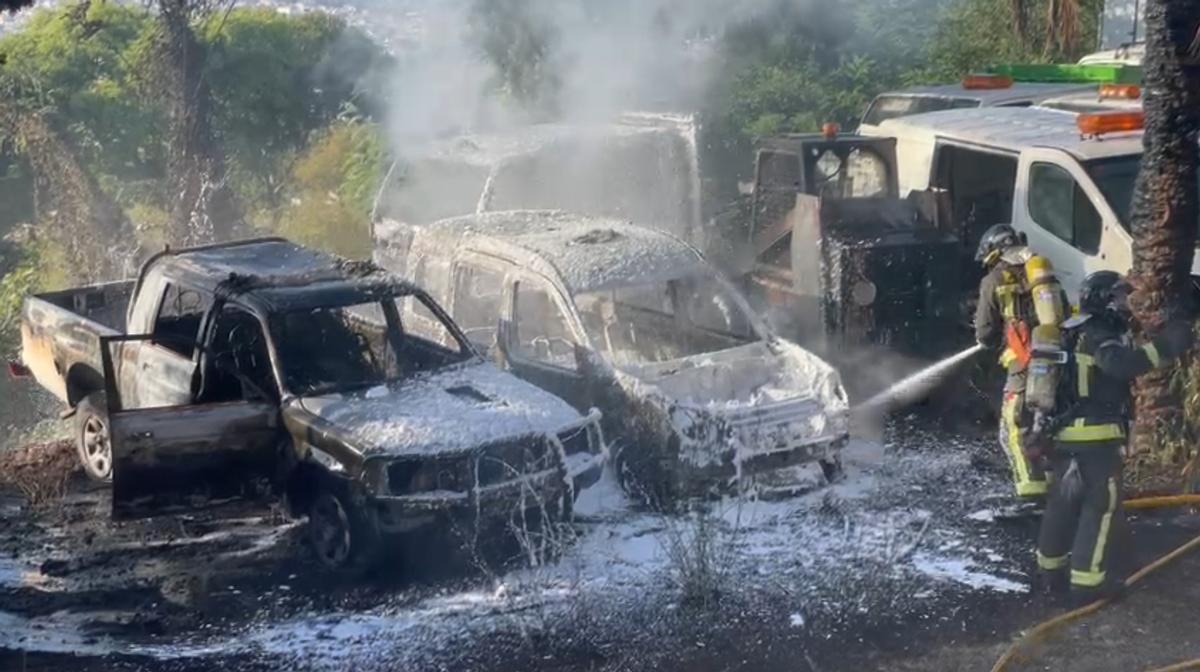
(396, 345)
(636, 302)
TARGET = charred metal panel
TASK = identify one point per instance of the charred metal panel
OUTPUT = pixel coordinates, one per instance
(182, 456)
(888, 279)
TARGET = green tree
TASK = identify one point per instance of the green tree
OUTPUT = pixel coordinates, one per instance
(517, 38)
(333, 186)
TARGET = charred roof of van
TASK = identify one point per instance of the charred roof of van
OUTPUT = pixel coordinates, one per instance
(275, 273)
(1015, 129)
(588, 253)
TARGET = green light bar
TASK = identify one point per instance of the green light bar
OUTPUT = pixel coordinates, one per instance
(1082, 74)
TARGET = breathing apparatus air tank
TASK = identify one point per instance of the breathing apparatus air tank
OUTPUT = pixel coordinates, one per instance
(1047, 355)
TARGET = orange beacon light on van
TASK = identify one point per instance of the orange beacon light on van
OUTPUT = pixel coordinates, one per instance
(987, 82)
(1099, 124)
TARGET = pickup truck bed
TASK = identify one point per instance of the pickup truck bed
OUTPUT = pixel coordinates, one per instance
(60, 335)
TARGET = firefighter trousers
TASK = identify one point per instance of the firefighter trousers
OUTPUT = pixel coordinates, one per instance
(1029, 476)
(1082, 511)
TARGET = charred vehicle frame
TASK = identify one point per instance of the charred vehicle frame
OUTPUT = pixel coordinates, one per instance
(696, 390)
(267, 366)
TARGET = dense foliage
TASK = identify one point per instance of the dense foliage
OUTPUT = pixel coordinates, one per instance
(276, 80)
(297, 99)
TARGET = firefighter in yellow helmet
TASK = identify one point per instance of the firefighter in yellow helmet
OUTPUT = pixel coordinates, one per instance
(1087, 430)
(1018, 296)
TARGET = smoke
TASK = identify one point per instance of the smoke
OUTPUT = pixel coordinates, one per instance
(490, 64)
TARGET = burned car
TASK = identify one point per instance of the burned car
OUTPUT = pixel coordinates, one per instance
(263, 363)
(696, 391)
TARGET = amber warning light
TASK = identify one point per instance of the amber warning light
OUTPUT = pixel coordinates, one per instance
(1099, 124)
(1120, 92)
(985, 82)
(830, 131)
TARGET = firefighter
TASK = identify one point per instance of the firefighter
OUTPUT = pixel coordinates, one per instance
(1018, 294)
(1087, 434)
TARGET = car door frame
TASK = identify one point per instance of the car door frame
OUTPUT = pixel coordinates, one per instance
(150, 354)
(569, 385)
(1071, 264)
(184, 456)
(489, 262)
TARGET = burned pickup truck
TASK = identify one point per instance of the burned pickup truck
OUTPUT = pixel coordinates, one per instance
(697, 392)
(261, 365)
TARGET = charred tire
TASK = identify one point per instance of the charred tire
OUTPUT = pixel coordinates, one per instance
(831, 467)
(343, 534)
(93, 440)
(642, 479)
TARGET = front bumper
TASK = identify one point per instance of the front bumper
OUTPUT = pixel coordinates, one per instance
(741, 463)
(409, 513)
(397, 514)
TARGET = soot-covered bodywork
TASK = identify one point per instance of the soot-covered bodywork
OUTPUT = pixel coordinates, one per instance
(697, 393)
(263, 366)
(839, 259)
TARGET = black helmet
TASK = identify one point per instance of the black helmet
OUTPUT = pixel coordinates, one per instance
(1103, 292)
(995, 241)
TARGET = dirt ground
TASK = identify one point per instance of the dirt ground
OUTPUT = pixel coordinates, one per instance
(902, 566)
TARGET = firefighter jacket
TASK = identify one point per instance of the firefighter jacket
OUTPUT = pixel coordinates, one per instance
(1017, 294)
(1103, 361)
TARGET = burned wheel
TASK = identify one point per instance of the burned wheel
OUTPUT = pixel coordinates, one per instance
(342, 535)
(642, 478)
(92, 439)
(831, 468)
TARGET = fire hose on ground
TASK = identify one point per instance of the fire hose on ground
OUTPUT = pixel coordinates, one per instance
(1040, 631)
(921, 383)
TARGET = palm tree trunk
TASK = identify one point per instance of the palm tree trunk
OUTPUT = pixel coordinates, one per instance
(1165, 208)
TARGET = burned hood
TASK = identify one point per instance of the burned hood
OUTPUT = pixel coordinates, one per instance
(454, 410)
(748, 375)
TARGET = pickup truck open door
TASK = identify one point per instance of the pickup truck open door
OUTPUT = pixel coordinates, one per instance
(189, 455)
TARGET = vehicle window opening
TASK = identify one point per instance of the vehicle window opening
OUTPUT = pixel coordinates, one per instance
(1115, 178)
(778, 181)
(1059, 205)
(334, 348)
(477, 298)
(177, 325)
(426, 342)
(981, 186)
(237, 366)
(861, 174)
(664, 321)
(542, 331)
(891, 107)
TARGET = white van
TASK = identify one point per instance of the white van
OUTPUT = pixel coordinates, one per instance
(924, 99)
(1071, 194)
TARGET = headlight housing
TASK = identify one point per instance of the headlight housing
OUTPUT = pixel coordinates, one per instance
(406, 477)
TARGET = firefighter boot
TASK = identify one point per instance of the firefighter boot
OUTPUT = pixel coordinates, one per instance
(1051, 583)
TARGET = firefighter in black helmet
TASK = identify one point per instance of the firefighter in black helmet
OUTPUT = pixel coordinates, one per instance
(1088, 431)
(1018, 295)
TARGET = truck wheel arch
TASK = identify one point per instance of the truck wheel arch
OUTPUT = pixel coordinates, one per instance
(82, 380)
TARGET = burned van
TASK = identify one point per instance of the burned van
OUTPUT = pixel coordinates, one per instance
(696, 391)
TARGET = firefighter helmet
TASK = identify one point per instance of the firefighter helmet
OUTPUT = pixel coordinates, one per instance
(1104, 291)
(995, 241)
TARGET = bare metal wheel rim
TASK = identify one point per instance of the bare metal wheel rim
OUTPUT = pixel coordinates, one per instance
(330, 531)
(97, 449)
